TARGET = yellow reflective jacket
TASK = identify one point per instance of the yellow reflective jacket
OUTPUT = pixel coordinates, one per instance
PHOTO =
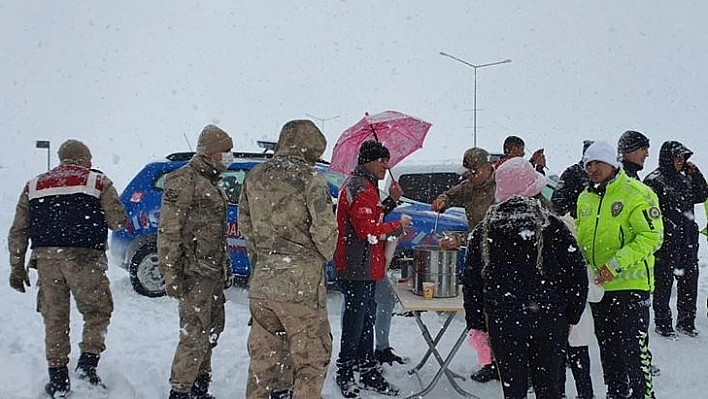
(620, 226)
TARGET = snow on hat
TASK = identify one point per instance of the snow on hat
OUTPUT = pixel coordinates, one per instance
(631, 140)
(518, 177)
(371, 150)
(475, 157)
(213, 139)
(601, 151)
(73, 150)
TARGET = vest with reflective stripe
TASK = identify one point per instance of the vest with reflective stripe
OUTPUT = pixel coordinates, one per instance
(65, 208)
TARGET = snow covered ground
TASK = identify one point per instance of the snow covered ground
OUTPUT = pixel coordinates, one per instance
(143, 333)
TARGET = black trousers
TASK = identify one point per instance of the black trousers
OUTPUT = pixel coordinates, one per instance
(621, 325)
(579, 360)
(681, 265)
(529, 343)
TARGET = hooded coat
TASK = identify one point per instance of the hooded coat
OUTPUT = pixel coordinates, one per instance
(286, 214)
(192, 230)
(572, 182)
(520, 257)
(678, 192)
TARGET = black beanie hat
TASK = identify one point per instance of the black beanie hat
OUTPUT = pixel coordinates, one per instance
(372, 150)
(631, 140)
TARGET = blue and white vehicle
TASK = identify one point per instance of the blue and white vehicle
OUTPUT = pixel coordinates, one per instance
(135, 249)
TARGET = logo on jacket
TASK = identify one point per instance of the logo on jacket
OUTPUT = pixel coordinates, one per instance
(654, 212)
(617, 207)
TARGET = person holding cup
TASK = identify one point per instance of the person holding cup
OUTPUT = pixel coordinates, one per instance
(359, 261)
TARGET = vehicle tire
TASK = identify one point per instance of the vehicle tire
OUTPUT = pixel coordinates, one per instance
(144, 272)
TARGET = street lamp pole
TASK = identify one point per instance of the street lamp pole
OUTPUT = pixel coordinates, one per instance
(474, 105)
(323, 120)
(44, 144)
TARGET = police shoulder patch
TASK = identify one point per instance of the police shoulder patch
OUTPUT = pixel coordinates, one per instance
(617, 207)
(654, 212)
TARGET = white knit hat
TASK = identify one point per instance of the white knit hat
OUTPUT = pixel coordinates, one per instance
(601, 151)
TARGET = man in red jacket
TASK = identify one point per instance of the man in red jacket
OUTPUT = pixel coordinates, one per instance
(359, 262)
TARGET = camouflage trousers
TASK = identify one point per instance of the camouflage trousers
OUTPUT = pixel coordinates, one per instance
(201, 321)
(80, 272)
(290, 346)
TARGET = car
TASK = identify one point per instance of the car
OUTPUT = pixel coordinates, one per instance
(134, 248)
(424, 181)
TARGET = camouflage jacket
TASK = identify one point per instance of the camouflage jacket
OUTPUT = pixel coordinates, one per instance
(475, 199)
(111, 212)
(191, 238)
(287, 218)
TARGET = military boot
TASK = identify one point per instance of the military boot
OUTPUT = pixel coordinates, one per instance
(59, 385)
(86, 369)
(281, 394)
(200, 388)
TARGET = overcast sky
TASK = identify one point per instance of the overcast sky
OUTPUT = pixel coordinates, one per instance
(133, 78)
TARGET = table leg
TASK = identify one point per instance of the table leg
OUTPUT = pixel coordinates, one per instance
(443, 363)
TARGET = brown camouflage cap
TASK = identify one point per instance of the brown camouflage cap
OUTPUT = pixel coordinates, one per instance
(475, 157)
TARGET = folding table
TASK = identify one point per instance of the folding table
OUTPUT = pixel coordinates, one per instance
(415, 304)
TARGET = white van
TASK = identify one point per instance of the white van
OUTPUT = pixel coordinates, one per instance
(424, 181)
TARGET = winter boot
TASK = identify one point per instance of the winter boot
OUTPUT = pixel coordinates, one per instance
(687, 328)
(281, 394)
(200, 387)
(346, 384)
(59, 385)
(374, 381)
(179, 395)
(485, 374)
(86, 369)
(665, 330)
(387, 356)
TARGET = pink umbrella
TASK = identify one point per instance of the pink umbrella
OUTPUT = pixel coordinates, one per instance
(401, 134)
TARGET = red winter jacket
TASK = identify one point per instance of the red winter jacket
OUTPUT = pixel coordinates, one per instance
(362, 233)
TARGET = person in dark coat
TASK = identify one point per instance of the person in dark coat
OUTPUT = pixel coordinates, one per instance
(573, 181)
(680, 185)
(525, 282)
(633, 150)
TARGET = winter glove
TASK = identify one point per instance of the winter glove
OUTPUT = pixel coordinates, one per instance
(479, 340)
(19, 278)
(174, 287)
(604, 275)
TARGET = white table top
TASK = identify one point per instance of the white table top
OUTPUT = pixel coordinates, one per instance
(411, 302)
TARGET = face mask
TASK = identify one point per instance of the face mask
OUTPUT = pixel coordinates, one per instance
(227, 158)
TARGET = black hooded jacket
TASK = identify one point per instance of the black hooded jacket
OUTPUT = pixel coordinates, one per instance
(572, 182)
(503, 270)
(678, 192)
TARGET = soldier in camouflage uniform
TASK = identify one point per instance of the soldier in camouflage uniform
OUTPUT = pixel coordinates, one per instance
(476, 194)
(66, 213)
(286, 215)
(191, 246)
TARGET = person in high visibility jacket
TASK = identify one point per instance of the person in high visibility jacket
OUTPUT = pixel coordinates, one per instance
(619, 228)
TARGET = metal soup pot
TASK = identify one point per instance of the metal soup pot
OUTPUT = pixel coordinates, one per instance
(435, 265)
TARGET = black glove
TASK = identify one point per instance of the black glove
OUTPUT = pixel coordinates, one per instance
(19, 278)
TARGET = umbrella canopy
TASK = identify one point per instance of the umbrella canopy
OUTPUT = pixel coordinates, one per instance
(401, 134)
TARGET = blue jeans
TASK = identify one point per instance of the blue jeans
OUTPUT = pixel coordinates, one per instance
(385, 301)
(357, 345)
